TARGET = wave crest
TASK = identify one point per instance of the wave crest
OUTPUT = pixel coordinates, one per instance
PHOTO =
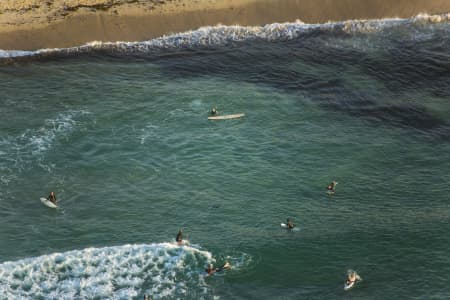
(221, 35)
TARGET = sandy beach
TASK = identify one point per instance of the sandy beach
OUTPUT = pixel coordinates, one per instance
(35, 24)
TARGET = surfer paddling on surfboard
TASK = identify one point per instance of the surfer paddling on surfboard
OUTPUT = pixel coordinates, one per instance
(211, 270)
(52, 197)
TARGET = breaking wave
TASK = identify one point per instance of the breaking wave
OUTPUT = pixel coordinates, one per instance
(119, 272)
(220, 35)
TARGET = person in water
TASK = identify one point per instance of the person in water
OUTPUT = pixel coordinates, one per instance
(214, 111)
(52, 197)
(211, 270)
(351, 277)
(289, 224)
(179, 237)
(332, 186)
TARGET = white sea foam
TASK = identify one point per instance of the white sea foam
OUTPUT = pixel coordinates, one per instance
(120, 272)
(18, 151)
(38, 140)
(149, 132)
(220, 35)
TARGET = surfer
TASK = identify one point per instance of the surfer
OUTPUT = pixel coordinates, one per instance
(332, 186)
(214, 112)
(289, 224)
(52, 197)
(179, 237)
(351, 278)
(211, 270)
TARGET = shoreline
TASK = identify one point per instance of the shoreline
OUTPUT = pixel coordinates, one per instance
(139, 21)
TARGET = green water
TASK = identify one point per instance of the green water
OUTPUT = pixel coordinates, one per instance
(132, 158)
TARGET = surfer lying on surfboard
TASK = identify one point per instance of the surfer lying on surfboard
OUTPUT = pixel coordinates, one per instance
(52, 197)
(211, 270)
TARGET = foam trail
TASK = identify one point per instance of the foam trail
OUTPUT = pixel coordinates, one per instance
(120, 272)
(222, 35)
(19, 151)
(41, 139)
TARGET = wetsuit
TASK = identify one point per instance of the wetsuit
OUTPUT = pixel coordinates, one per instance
(51, 198)
(179, 237)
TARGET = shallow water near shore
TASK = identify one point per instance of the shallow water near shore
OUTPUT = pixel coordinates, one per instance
(123, 139)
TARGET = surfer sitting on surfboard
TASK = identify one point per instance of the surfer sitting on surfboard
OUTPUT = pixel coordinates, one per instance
(52, 197)
(179, 237)
(214, 112)
(289, 224)
(210, 270)
(351, 278)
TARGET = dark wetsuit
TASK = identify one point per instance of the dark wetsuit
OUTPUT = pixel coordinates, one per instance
(212, 271)
(331, 187)
(179, 237)
(51, 198)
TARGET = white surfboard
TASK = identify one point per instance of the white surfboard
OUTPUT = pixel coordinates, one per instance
(285, 226)
(48, 203)
(349, 286)
(226, 117)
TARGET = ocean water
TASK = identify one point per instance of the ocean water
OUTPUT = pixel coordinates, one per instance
(120, 132)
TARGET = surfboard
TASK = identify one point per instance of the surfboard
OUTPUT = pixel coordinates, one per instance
(48, 203)
(285, 226)
(349, 286)
(226, 117)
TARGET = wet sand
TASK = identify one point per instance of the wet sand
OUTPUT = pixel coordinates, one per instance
(35, 24)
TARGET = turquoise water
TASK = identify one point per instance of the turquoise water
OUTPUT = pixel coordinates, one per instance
(124, 141)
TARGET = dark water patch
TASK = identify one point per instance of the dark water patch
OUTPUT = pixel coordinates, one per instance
(410, 67)
(320, 72)
(397, 115)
